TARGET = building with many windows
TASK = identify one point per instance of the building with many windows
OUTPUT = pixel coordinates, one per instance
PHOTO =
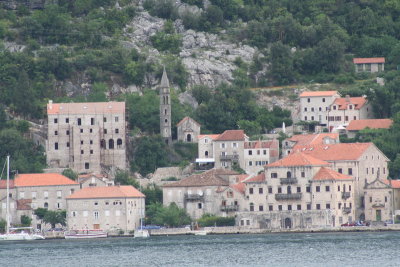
(86, 137)
(110, 208)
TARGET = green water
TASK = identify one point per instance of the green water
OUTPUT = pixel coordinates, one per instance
(326, 249)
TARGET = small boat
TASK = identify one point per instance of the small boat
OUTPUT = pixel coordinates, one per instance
(85, 233)
(143, 233)
(20, 233)
(199, 232)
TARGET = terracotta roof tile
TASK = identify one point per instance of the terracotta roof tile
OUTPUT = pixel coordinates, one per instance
(311, 139)
(185, 119)
(24, 204)
(357, 102)
(240, 187)
(393, 183)
(356, 125)
(212, 136)
(298, 159)
(42, 179)
(329, 175)
(256, 179)
(232, 135)
(332, 152)
(208, 178)
(363, 60)
(261, 144)
(123, 191)
(86, 108)
(3, 184)
(318, 93)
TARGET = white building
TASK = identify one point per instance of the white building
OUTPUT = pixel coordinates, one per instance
(314, 105)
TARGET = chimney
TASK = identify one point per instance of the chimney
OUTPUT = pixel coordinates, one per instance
(50, 104)
(348, 98)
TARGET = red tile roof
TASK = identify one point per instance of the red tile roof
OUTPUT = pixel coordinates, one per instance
(318, 93)
(326, 174)
(212, 136)
(357, 125)
(240, 187)
(42, 179)
(24, 204)
(256, 179)
(332, 152)
(187, 118)
(393, 183)
(232, 135)
(86, 108)
(343, 102)
(3, 184)
(368, 60)
(208, 178)
(123, 191)
(298, 159)
(261, 144)
(311, 139)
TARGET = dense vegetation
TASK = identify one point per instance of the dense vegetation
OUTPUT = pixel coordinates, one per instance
(298, 41)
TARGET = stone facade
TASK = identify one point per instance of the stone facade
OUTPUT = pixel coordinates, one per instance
(108, 208)
(257, 154)
(165, 109)
(188, 130)
(228, 149)
(86, 137)
(315, 105)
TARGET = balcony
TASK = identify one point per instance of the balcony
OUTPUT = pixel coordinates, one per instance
(346, 210)
(345, 195)
(294, 196)
(288, 180)
(228, 157)
(194, 197)
(228, 208)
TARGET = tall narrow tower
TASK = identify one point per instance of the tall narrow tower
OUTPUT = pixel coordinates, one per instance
(165, 109)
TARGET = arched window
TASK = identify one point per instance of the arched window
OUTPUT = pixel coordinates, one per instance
(289, 175)
(111, 144)
(166, 121)
(46, 205)
(206, 154)
(119, 143)
(103, 144)
(189, 138)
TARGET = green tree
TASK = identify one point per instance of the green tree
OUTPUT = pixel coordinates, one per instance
(171, 216)
(54, 217)
(250, 127)
(153, 194)
(281, 63)
(208, 220)
(70, 174)
(123, 178)
(25, 220)
(98, 93)
(3, 224)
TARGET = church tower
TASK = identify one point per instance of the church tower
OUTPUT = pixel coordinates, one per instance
(165, 109)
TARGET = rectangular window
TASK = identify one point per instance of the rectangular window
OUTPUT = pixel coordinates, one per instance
(279, 190)
(116, 119)
(250, 163)
(55, 146)
(274, 175)
(67, 132)
(91, 130)
(327, 188)
(340, 170)
(270, 207)
(46, 194)
(105, 131)
(318, 206)
(250, 190)
(79, 121)
(199, 205)
(55, 120)
(104, 119)
(250, 152)
(59, 193)
(339, 205)
(386, 199)
(86, 165)
(91, 142)
(261, 208)
(270, 190)
(370, 199)
(289, 207)
(279, 207)
(91, 121)
(350, 171)
(303, 174)
(116, 131)
(338, 188)
(317, 188)
(308, 189)
(82, 152)
(328, 206)
(308, 206)
(81, 142)
(55, 132)
(81, 130)
(67, 144)
(66, 120)
(298, 189)
(91, 151)
(298, 207)
(260, 190)
(265, 152)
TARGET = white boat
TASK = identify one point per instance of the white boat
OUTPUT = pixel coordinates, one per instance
(143, 233)
(85, 233)
(20, 233)
(199, 232)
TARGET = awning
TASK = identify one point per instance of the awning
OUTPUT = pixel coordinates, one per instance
(207, 160)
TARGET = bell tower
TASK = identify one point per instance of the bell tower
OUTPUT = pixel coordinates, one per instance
(165, 109)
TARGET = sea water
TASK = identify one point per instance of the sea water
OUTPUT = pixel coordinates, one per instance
(294, 249)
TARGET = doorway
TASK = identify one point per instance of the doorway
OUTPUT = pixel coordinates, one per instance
(288, 223)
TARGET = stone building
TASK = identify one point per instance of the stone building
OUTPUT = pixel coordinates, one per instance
(109, 208)
(314, 105)
(188, 130)
(357, 125)
(165, 109)
(91, 180)
(374, 64)
(228, 149)
(86, 137)
(216, 191)
(292, 143)
(363, 161)
(37, 190)
(298, 191)
(259, 153)
(205, 158)
(346, 109)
